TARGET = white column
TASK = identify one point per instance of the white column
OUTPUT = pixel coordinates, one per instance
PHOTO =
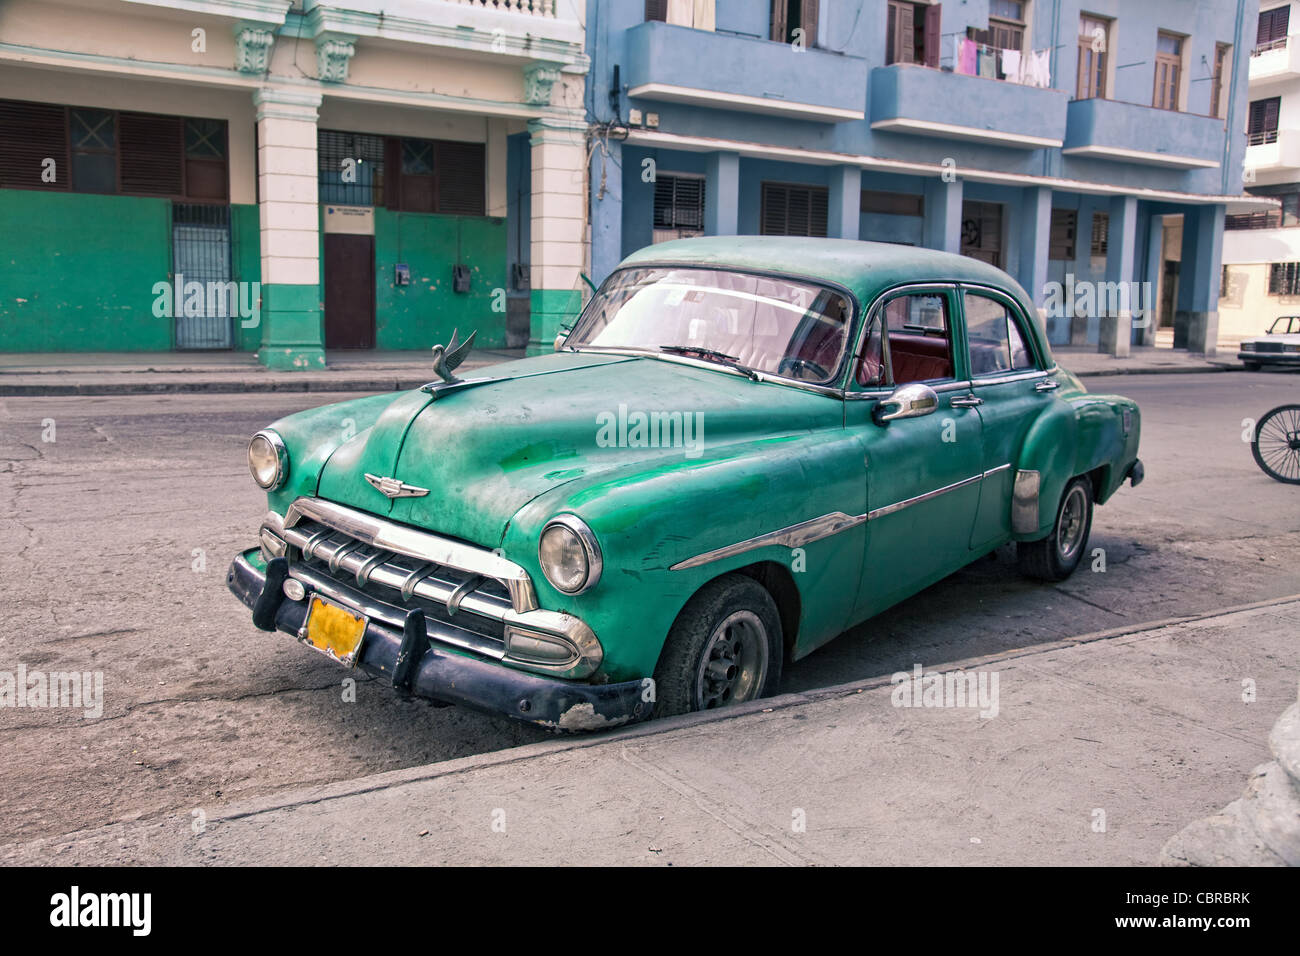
(290, 216)
(558, 226)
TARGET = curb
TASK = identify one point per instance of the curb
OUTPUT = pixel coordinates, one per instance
(212, 387)
(375, 385)
(342, 789)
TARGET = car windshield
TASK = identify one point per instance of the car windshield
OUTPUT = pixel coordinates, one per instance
(778, 326)
(1285, 325)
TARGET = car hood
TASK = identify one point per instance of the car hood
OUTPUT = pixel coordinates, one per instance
(1287, 338)
(484, 451)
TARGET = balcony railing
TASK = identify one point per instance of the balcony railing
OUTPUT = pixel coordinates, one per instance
(536, 8)
(1261, 137)
(1279, 44)
(1268, 219)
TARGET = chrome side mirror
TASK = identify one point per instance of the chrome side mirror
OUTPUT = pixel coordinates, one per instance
(561, 336)
(907, 401)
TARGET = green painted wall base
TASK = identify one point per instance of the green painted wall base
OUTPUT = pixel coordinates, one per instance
(551, 308)
(292, 331)
(418, 315)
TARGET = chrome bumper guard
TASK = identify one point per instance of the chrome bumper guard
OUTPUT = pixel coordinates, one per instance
(476, 600)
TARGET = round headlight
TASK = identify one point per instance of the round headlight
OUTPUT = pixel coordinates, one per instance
(569, 554)
(268, 460)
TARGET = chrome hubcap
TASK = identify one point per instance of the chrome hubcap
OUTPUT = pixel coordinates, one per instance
(733, 666)
(1069, 533)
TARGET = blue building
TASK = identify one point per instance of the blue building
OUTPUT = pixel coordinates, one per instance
(1085, 148)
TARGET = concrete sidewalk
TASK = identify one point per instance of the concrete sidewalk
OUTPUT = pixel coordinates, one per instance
(136, 373)
(1102, 748)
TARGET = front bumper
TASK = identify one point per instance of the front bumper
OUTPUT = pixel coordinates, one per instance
(1269, 358)
(422, 670)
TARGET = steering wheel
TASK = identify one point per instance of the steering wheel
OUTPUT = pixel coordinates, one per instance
(795, 366)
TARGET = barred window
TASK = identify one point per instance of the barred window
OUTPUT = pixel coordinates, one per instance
(1284, 278)
(1100, 233)
(679, 202)
(351, 168)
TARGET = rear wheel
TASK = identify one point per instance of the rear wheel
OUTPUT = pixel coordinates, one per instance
(724, 648)
(1276, 445)
(1055, 557)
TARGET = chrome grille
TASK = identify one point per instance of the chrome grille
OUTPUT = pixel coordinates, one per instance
(471, 597)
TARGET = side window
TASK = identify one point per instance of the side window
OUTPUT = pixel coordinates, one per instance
(995, 339)
(920, 338)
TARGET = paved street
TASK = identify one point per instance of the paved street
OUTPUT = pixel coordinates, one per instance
(119, 530)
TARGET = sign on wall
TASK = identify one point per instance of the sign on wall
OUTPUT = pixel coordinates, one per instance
(350, 220)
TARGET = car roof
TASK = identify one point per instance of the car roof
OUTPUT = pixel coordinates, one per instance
(864, 268)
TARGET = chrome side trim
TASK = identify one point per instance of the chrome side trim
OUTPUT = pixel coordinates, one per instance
(1024, 502)
(794, 536)
(1025, 376)
(413, 543)
(908, 502)
(806, 532)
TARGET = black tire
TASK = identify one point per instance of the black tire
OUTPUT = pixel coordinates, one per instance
(1055, 557)
(1251, 366)
(1276, 444)
(734, 611)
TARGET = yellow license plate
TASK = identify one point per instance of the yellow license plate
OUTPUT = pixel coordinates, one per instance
(334, 630)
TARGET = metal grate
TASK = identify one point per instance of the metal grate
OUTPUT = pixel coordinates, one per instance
(350, 167)
(201, 254)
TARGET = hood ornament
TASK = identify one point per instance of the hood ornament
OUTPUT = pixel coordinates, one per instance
(446, 358)
(394, 488)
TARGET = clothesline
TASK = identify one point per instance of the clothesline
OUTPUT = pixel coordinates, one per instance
(979, 59)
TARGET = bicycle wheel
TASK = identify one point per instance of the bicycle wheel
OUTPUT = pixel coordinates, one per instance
(1276, 445)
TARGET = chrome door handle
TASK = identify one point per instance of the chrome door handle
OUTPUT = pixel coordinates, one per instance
(1047, 386)
(966, 401)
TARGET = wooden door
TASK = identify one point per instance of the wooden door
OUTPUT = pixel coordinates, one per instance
(349, 291)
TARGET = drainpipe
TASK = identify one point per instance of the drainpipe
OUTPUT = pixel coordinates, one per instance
(1232, 96)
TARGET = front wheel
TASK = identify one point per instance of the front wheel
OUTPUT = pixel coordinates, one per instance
(724, 648)
(1055, 557)
(1276, 445)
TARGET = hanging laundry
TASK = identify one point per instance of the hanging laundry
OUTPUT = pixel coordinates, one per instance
(966, 57)
(988, 63)
(1011, 65)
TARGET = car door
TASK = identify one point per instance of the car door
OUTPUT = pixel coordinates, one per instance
(1009, 388)
(922, 473)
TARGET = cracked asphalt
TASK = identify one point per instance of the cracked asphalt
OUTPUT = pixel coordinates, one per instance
(116, 535)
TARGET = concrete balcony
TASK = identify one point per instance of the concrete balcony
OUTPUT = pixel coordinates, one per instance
(1276, 62)
(907, 98)
(1273, 157)
(535, 30)
(1128, 133)
(677, 64)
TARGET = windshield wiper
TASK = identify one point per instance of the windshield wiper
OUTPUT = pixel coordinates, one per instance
(713, 355)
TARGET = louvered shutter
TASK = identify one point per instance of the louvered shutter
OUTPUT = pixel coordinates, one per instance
(151, 155)
(773, 213)
(656, 10)
(933, 36)
(30, 133)
(462, 178)
(811, 10)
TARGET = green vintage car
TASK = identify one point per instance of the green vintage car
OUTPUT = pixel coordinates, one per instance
(743, 447)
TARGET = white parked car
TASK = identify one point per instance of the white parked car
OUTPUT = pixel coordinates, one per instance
(1281, 347)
